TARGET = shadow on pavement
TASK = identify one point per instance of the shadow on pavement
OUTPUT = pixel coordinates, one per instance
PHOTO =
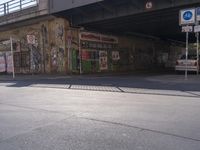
(160, 85)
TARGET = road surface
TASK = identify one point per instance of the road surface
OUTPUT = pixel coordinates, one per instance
(100, 113)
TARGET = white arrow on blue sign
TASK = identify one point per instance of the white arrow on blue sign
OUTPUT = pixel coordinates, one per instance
(187, 16)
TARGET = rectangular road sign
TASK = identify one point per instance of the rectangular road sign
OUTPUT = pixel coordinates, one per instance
(31, 39)
(187, 16)
(187, 29)
(198, 14)
(197, 28)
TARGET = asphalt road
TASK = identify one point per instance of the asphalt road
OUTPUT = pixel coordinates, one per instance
(100, 113)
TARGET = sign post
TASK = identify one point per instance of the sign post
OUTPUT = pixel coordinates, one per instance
(69, 55)
(197, 53)
(187, 17)
(186, 56)
(80, 53)
(11, 44)
(197, 30)
(197, 34)
(187, 29)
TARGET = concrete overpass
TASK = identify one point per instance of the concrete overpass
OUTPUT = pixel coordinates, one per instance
(15, 13)
(130, 17)
(157, 18)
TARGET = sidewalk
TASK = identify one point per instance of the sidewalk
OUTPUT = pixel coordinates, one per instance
(32, 77)
(175, 78)
(163, 78)
(9, 77)
(146, 83)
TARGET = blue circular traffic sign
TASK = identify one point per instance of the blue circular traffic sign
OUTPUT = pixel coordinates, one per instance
(187, 15)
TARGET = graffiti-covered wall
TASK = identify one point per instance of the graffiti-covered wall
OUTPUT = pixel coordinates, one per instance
(42, 46)
(145, 53)
(57, 42)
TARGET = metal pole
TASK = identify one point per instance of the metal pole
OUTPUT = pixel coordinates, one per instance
(11, 42)
(20, 4)
(80, 54)
(7, 8)
(186, 56)
(31, 58)
(68, 50)
(5, 12)
(43, 53)
(197, 53)
(69, 61)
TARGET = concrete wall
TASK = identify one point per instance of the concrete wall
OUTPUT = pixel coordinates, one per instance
(56, 40)
(49, 50)
(145, 53)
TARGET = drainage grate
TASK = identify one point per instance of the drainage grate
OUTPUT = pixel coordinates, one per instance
(95, 88)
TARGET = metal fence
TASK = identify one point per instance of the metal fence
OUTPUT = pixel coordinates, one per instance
(16, 5)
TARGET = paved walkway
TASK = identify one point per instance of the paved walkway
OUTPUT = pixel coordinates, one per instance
(140, 84)
(151, 77)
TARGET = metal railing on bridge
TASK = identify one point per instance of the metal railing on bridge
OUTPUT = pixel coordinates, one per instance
(16, 5)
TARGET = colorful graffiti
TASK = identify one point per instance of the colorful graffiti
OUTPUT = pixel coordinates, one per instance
(53, 57)
(60, 32)
(36, 58)
(58, 48)
(41, 54)
(57, 58)
(61, 62)
(35, 53)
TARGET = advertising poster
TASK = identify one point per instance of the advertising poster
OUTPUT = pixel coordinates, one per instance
(31, 39)
(103, 60)
(115, 55)
(85, 55)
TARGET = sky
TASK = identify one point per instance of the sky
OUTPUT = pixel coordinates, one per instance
(3, 1)
(15, 6)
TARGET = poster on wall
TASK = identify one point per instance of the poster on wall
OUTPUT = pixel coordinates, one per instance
(9, 65)
(31, 39)
(103, 60)
(115, 55)
(2, 62)
(85, 55)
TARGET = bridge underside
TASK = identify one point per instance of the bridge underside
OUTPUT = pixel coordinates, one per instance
(160, 22)
(163, 24)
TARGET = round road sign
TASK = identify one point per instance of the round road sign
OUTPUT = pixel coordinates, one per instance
(187, 15)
